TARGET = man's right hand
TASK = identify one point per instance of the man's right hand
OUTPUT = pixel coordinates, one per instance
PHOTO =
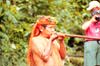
(93, 19)
(86, 24)
(53, 37)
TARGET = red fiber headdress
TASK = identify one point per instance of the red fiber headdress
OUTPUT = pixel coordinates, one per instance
(43, 20)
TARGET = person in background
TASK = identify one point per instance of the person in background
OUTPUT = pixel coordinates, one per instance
(92, 28)
(46, 46)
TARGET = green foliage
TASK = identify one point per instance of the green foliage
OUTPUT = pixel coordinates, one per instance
(18, 16)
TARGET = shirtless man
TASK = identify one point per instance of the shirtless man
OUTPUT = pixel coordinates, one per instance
(46, 46)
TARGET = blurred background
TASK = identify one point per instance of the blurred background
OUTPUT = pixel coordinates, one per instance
(18, 16)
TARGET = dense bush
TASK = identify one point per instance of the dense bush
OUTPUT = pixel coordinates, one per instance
(18, 16)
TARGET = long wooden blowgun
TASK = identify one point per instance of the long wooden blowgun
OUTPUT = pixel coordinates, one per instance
(81, 36)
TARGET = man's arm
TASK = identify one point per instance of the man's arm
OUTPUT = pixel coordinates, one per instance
(47, 51)
(62, 50)
(86, 24)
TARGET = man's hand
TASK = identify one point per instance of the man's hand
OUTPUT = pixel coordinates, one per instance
(53, 36)
(86, 24)
(93, 19)
(61, 36)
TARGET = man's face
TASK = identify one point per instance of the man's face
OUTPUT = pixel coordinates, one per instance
(49, 29)
(96, 15)
(97, 12)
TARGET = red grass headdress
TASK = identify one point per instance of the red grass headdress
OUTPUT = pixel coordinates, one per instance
(43, 20)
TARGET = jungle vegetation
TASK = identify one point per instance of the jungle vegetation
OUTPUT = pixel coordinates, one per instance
(18, 16)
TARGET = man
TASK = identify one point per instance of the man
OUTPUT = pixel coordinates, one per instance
(44, 50)
(92, 28)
